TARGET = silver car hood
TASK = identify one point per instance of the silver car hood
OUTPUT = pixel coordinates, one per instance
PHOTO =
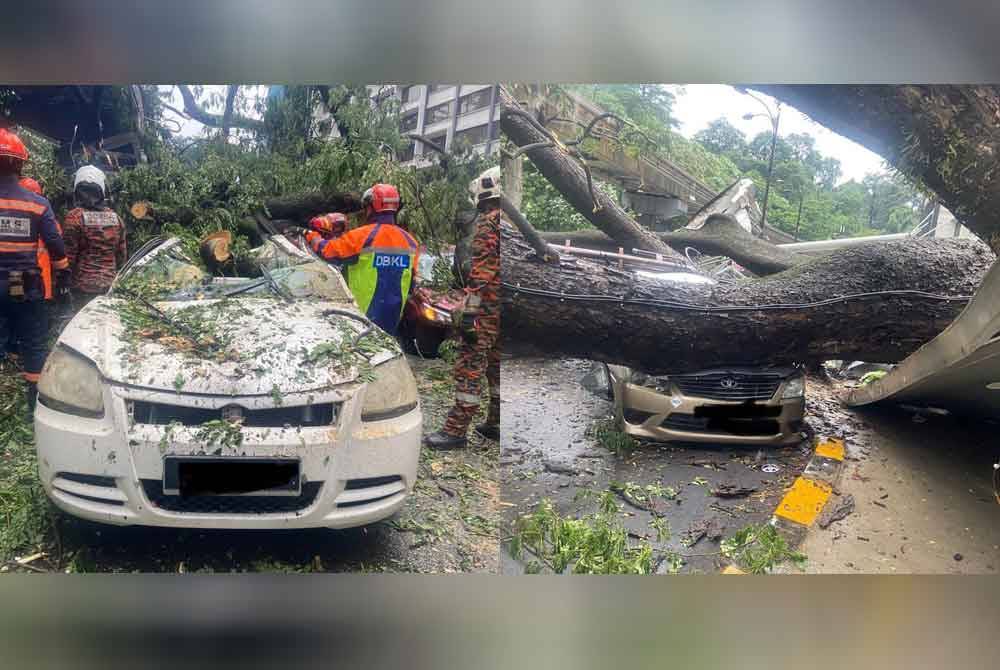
(268, 340)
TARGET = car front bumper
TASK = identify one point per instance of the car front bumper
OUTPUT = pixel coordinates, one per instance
(651, 415)
(111, 470)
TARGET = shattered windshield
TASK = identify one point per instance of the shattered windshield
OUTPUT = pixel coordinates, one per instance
(267, 271)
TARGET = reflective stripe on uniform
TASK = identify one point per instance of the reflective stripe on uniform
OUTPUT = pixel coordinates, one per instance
(466, 398)
(22, 206)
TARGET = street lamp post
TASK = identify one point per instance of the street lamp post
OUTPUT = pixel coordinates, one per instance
(774, 117)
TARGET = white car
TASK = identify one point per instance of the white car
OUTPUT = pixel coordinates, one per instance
(184, 400)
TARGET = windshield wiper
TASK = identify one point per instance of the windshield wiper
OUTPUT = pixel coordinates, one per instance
(274, 284)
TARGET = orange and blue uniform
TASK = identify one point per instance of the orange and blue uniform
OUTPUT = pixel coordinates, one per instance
(28, 233)
(381, 261)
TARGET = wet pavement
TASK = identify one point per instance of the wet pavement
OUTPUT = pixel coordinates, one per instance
(922, 489)
(547, 452)
(449, 523)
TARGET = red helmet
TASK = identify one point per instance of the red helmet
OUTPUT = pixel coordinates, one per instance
(31, 185)
(329, 224)
(11, 146)
(382, 198)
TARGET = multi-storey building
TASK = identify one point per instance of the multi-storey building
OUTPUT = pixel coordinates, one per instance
(451, 115)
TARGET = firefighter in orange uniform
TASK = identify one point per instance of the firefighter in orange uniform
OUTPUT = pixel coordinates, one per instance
(381, 256)
(26, 224)
(480, 325)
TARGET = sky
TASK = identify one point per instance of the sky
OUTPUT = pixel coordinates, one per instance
(696, 105)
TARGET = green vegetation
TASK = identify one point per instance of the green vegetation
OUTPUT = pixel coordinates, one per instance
(596, 544)
(759, 549)
(25, 512)
(609, 435)
(805, 199)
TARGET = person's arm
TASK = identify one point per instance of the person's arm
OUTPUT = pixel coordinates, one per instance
(485, 248)
(48, 229)
(346, 246)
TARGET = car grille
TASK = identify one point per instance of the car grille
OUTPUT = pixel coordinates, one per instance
(321, 414)
(230, 504)
(748, 427)
(737, 386)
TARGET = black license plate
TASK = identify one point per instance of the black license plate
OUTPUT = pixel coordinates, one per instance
(208, 476)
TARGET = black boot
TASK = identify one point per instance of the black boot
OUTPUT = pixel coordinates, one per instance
(442, 441)
(491, 431)
(32, 399)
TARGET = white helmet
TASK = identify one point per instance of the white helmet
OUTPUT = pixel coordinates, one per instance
(486, 186)
(89, 174)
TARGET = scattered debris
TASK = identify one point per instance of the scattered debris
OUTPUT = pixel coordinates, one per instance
(770, 468)
(559, 467)
(839, 508)
(732, 491)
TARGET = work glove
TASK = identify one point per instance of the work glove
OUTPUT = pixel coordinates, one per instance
(313, 238)
(62, 285)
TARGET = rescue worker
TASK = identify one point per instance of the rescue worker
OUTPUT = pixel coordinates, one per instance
(480, 324)
(27, 225)
(330, 225)
(95, 236)
(381, 257)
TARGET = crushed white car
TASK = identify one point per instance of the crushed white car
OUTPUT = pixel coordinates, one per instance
(185, 400)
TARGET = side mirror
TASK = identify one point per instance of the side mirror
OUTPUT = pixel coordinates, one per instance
(598, 381)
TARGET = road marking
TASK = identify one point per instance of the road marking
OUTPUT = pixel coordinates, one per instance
(831, 449)
(804, 501)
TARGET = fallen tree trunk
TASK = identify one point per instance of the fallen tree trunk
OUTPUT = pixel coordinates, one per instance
(944, 136)
(719, 236)
(303, 206)
(878, 303)
(569, 178)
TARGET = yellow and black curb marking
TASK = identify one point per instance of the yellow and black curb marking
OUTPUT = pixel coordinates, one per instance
(808, 495)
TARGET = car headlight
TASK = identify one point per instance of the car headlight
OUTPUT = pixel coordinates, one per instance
(71, 383)
(392, 394)
(661, 384)
(794, 388)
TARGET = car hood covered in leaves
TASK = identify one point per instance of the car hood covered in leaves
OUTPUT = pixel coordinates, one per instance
(238, 346)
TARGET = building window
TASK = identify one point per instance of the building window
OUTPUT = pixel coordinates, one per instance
(441, 139)
(474, 101)
(438, 113)
(408, 122)
(407, 153)
(472, 136)
(434, 88)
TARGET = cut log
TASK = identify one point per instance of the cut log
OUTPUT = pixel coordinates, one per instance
(303, 206)
(569, 178)
(720, 235)
(944, 136)
(877, 302)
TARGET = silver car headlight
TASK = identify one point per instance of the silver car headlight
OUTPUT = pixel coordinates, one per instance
(71, 383)
(392, 394)
(794, 388)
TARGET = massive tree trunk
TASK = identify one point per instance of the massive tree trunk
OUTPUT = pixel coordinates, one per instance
(945, 136)
(720, 236)
(303, 206)
(569, 178)
(774, 320)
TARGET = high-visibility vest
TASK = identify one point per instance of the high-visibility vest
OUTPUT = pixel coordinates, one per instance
(380, 278)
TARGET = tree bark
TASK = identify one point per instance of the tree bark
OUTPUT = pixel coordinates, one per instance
(719, 236)
(227, 114)
(944, 136)
(714, 324)
(570, 179)
(303, 206)
(193, 110)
